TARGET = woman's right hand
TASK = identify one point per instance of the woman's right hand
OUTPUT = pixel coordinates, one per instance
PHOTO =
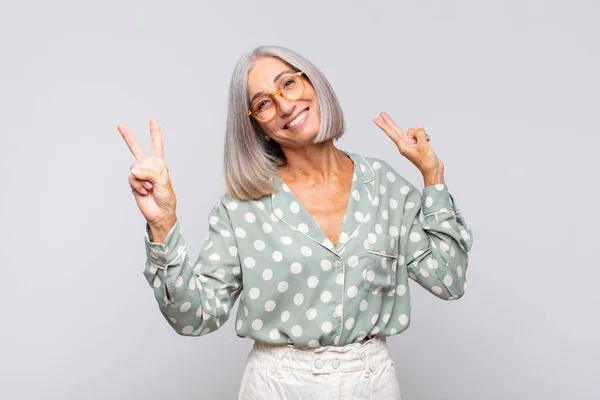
(151, 186)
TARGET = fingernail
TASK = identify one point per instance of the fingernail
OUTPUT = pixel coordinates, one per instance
(147, 185)
(144, 191)
(135, 171)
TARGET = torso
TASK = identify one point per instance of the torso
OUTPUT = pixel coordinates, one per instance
(326, 204)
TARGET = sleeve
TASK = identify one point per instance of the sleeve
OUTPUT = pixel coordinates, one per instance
(195, 298)
(436, 250)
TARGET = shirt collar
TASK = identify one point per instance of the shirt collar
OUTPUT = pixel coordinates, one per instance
(287, 208)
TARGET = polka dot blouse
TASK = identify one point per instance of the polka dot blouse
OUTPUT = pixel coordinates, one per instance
(295, 286)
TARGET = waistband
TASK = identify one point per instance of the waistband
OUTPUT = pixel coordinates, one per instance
(367, 355)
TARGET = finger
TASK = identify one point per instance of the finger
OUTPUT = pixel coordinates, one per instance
(391, 122)
(157, 142)
(136, 195)
(136, 185)
(426, 135)
(132, 143)
(411, 134)
(146, 184)
(392, 134)
(147, 174)
(420, 134)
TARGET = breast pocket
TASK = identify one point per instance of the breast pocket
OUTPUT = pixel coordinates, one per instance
(382, 259)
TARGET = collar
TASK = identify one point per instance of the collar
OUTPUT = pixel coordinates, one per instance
(288, 209)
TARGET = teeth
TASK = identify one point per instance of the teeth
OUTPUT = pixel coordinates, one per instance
(298, 119)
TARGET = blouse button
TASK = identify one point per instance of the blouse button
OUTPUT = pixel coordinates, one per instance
(335, 364)
(335, 315)
(319, 364)
(338, 263)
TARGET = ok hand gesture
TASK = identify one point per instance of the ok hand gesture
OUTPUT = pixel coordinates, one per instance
(149, 178)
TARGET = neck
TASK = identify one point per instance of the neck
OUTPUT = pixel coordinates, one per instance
(317, 163)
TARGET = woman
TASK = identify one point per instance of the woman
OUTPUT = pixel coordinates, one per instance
(318, 243)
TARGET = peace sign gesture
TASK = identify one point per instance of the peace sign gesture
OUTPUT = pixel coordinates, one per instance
(149, 178)
(414, 145)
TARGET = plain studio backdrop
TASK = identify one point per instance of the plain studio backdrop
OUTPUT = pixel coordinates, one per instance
(508, 91)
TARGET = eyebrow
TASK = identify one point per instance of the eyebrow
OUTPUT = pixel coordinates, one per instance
(277, 77)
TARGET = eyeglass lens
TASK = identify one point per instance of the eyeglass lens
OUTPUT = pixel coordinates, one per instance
(291, 89)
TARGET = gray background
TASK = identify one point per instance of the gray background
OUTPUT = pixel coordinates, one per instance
(506, 90)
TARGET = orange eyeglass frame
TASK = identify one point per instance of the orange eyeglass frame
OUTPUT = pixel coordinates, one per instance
(278, 92)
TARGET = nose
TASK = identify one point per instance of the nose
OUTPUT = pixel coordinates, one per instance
(285, 107)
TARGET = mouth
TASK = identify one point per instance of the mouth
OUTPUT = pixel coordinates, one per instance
(298, 120)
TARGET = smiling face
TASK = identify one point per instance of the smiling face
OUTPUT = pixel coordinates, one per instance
(296, 123)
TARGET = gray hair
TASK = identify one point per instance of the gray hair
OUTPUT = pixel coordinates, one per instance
(249, 160)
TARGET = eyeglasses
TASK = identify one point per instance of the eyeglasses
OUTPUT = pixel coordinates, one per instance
(291, 88)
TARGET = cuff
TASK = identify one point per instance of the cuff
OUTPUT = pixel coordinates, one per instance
(165, 253)
(437, 199)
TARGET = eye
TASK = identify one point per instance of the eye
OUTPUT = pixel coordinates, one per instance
(288, 83)
(262, 104)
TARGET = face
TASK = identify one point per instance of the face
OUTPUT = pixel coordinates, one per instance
(296, 123)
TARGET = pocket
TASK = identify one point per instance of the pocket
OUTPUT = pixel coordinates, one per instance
(382, 260)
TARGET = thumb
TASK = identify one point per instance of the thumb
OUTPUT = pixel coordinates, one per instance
(421, 135)
(146, 174)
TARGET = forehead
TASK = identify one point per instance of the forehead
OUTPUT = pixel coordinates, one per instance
(260, 77)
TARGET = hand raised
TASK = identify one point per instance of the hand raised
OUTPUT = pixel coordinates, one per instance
(414, 145)
(149, 177)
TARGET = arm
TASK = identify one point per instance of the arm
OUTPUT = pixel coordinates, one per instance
(435, 251)
(195, 298)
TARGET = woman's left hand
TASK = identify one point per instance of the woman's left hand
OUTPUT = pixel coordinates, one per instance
(414, 145)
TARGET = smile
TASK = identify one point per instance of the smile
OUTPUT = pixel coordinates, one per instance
(298, 121)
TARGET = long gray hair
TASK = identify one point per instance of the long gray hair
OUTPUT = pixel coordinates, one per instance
(249, 160)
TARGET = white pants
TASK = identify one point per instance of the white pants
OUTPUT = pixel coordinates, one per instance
(354, 371)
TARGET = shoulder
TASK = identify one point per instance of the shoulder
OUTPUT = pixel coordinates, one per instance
(385, 174)
(235, 206)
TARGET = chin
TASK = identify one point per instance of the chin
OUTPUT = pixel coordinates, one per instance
(309, 132)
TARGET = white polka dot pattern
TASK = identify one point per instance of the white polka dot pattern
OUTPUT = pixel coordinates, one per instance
(294, 284)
